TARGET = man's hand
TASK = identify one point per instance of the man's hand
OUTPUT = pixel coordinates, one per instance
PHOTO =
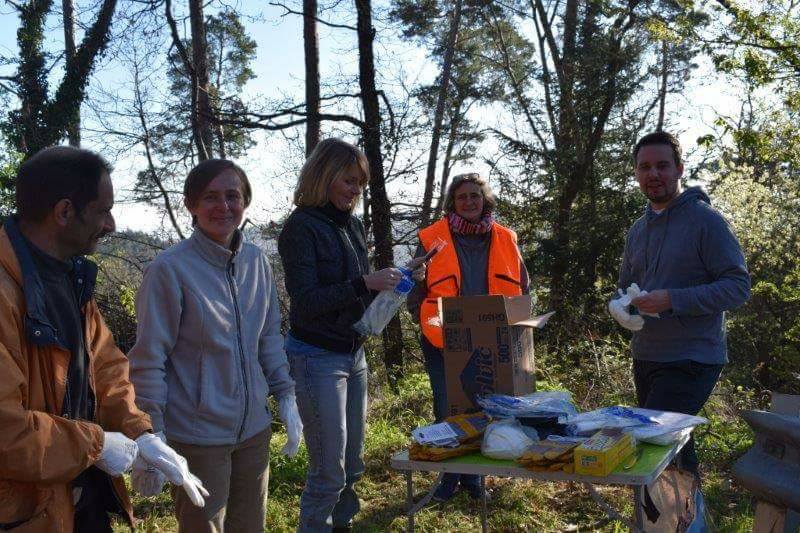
(619, 310)
(117, 455)
(653, 302)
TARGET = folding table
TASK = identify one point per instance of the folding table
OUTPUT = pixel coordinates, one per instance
(653, 459)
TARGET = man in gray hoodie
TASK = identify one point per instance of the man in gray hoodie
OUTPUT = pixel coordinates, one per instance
(683, 253)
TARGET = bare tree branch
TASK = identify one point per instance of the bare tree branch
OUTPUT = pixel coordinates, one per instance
(150, 165)
(290, 11)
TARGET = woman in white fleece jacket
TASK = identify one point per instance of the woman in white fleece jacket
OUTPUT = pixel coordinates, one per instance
(208, 353)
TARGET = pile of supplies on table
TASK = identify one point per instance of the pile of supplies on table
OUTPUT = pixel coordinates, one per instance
(457, 435)
(544, 432)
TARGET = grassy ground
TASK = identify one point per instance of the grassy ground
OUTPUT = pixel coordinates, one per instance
(516, 505)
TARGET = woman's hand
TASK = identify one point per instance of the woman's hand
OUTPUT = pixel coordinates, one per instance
(419, 266)
(383, 280)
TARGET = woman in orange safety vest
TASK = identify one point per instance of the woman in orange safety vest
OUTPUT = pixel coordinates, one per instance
(480, 257)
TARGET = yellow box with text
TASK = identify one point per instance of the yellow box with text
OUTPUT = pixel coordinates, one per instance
(603, 452)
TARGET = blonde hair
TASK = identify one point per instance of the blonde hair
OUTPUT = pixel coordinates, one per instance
(472, 177)
(329, 161)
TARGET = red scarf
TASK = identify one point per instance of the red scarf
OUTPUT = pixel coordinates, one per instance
(463, 226)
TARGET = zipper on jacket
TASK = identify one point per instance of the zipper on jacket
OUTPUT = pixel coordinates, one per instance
(90, 378)
(66, 406)
(353, 248)
(93, 389)
(360, 273)
(229, 273)
(67, 399)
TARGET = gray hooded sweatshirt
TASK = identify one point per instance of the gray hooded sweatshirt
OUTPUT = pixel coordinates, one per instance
(690, 250)
(208, 343)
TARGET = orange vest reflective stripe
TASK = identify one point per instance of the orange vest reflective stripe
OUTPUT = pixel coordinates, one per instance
(444, 273)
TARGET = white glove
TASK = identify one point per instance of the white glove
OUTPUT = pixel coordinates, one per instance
(146, 479)
(287, 408)
(117, 455)
(619, 310)
(634, 292)
(156, 453)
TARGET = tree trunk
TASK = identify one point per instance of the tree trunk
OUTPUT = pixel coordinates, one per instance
(447, 63)
(204, 133)
(41, 121)
(74, 128)
(379, 204)
(222, 150)
(576, 146)
(567, 143)
(311, 45)
(366, 217)
(592, 255)
(455, 119)
(662, 93)
(561, 235)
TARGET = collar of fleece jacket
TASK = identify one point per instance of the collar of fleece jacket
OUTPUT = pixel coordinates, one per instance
(212, 252)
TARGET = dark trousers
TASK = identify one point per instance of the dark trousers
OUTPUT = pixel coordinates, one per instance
(92, 519)
(434, 364)
(97, 502)
(678, 386)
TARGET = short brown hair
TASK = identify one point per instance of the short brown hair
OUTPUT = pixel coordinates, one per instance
(472, 177)
(54, 174)
(330, 160)
(660, 137)
(203, 173)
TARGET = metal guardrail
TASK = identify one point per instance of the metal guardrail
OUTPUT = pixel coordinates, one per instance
(770, 470)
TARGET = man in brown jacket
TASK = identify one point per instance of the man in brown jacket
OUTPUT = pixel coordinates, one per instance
(68, 420)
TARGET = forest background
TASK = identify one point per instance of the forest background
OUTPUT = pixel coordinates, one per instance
(543, 97)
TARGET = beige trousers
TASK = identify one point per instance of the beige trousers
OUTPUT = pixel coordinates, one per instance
(236, 477)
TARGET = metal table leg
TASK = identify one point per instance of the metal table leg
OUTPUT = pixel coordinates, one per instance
(613, 513)
(410, 500)
(638, 507)
(413, 508)
(484, 522)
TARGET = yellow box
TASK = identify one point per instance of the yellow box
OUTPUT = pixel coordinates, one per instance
(601, 454)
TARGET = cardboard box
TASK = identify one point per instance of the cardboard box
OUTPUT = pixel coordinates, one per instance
(601, 454)
(488, 348)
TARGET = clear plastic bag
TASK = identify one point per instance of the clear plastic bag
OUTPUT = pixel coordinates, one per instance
(545, 403)
(647, 425)
(384, 306)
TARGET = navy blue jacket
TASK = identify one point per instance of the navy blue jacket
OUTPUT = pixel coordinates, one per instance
(324, 262)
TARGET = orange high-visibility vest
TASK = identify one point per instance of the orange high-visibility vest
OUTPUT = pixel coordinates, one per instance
(444, 273)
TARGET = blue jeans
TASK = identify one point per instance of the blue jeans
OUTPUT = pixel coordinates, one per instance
(331, 390)
(434, 364)
(678, 386)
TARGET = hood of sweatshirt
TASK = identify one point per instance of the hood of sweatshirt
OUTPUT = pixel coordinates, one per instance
(657, 226)
(687, 196)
